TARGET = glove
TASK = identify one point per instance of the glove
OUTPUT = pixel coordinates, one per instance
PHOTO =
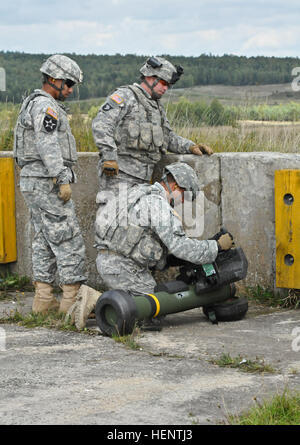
(225, 242)
(110, 168)
(200, 149)
(196, 150)
(65, 192)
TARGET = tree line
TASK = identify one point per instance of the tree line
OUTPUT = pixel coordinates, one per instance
(103, 73)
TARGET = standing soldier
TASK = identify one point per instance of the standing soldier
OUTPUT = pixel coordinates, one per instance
(132, 131)
(45, 150)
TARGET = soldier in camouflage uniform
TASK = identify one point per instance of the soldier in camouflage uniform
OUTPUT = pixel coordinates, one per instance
(45, 150)
(132, 131)
(144, 229)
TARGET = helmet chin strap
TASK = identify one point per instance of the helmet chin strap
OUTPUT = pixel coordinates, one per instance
(166, 182)
(60, 97)
(154, 95)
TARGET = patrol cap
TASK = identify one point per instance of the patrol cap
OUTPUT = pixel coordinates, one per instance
(62, 67)
(161, 68)
(185, 176)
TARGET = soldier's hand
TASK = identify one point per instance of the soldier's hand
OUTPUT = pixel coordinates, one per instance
(65, 192)
(225, 241)
(196, 150)
(206, 149)
(200, 149)
(110, 168)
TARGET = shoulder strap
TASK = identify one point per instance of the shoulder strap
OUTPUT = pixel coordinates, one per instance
(142, 98)
(31, 97)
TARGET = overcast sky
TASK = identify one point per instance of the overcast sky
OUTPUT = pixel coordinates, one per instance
(175, 27)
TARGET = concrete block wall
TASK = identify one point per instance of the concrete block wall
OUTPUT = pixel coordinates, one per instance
(248, 210)
(239, 194)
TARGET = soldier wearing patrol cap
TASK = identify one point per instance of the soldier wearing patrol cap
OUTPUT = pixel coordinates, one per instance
(45, 150)
(132, 131)
(128, 251)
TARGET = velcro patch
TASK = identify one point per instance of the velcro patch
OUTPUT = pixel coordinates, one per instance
(116, 98)
(49, 123)
(51, 113)
(107, 107)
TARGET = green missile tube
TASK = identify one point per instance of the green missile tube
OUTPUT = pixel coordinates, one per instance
(117, 311)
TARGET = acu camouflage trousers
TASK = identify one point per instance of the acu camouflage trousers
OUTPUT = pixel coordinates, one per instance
(58, 245)
(119, 272)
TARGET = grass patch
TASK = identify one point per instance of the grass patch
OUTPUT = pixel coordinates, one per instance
(264, 296)
(268, 297)
(81, 126)
(10, 281)
(129, 340)
(51, 320)
(224, 128)
(282, 409)
(243, 364)
(8, 117)
(245, 137)
(14, 283)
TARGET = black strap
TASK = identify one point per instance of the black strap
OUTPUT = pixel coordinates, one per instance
(212, 316)
(60, 97)
(152, 303)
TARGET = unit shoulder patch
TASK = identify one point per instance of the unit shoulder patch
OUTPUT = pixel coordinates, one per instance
(49, 123)
(107, 107)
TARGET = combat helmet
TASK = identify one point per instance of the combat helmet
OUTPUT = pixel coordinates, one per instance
(62, 67)
(184, 175)
(161, 68)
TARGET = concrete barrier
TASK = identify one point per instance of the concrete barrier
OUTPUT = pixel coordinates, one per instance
(248, 210)
(239, 194)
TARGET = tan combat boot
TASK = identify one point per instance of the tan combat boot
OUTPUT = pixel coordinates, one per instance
(43, 300)
(80, 311)
(69, 296)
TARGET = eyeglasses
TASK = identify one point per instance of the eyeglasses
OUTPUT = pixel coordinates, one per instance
(69, 83)
(164, 83)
